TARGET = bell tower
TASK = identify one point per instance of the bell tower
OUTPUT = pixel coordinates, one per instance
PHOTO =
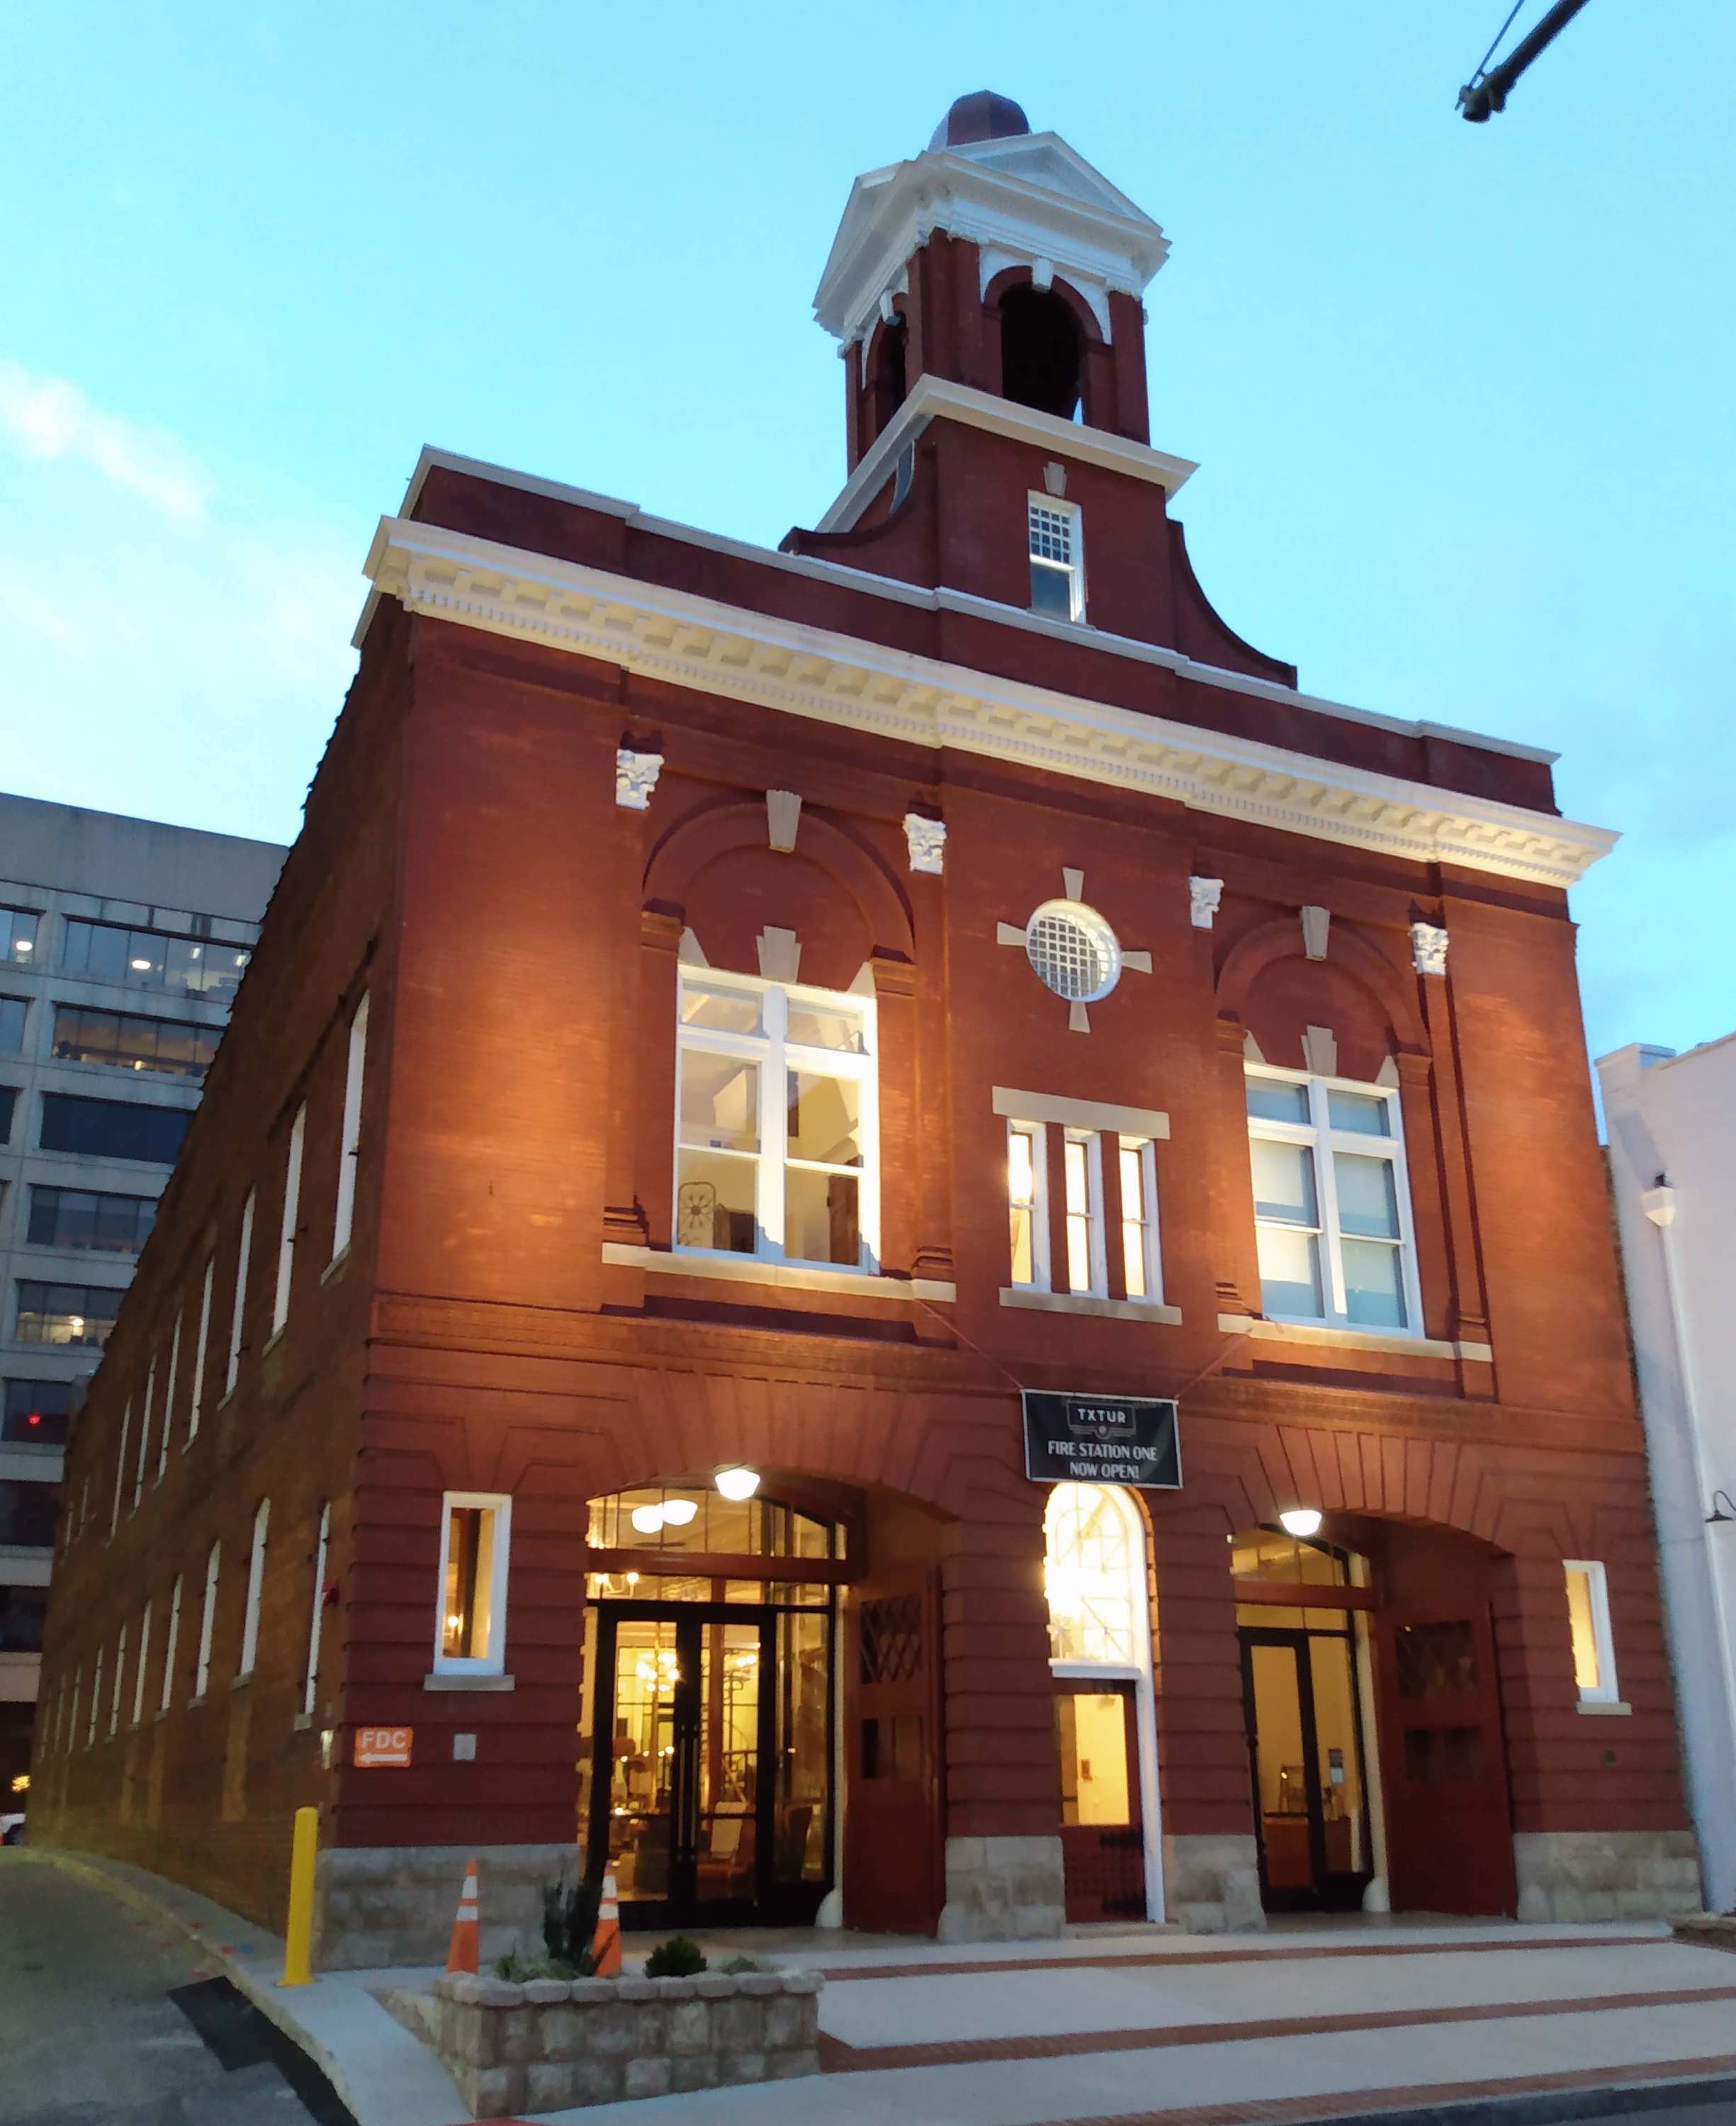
(998, 259)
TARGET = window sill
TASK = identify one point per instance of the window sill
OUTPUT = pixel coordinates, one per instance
(240, 1682)
(193, 1704)
(226, 1397)
(789, 1276)
(1604, 1705)
(1088, 1303)
(274, 1340)
(301, 1723)
(1350, 1339)
(438, 1681)
(333, 1268)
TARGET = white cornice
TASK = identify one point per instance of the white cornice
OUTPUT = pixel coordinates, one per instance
(684, 640)
(932, 396)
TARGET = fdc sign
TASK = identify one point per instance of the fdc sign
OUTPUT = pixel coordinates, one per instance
(1102, 1439)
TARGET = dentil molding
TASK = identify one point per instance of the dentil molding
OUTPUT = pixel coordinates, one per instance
(854, 684)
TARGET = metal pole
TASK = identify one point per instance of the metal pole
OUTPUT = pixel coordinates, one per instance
(1480, 99)
(298, 1943)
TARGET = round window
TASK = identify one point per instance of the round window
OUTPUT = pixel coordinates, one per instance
(1073, 951)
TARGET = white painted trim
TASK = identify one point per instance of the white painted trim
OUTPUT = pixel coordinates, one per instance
(844, 681)
(1090, 1303)
(791, 1277)
(940, 599)
(1079, 1114)
(1350, 1339)
(1606, 1692)
(1604, 1705)
(499, 1505)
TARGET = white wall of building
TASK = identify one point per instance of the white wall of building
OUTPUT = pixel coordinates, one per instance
(1671, 1124)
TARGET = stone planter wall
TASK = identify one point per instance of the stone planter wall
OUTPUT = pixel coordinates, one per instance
(550, 2043)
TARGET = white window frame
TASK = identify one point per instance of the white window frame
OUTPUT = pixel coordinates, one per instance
(169, 1644)
(355, 1065)
(208, 1620)
(776, 1055)
(145, 1656)
(310, 1685)
(494, 1661)
(238, 1316)
(256, 1589)
(90, 1732)
(127, 1426)
(168, 1395)
(1606, 1690)
(1038, 1134)
(1073, 569)
(291, 1212)
(145, 1434)
(1143, 1219)
(1085, 1223)
(1319, 1137)
(114, 1726)
(205, 1330)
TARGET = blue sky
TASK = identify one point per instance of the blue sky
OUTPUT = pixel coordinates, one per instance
(1460, 395)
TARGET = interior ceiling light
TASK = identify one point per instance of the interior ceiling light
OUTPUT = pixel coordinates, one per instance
(1301, 1521)
(738, 1484)
(647, 1519)
(679, 1512)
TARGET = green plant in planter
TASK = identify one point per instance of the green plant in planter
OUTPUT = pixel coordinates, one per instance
(569, 1924)
(680, 1957)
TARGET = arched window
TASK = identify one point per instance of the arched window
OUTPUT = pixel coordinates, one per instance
(1094, 1576)
(256, 1584)
(1042, 352)
(890, 378)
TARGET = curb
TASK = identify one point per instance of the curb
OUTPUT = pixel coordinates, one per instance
(264, 1996)
(1542, 2107)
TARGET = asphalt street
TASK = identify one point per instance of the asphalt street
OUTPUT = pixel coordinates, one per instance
(91, 2035)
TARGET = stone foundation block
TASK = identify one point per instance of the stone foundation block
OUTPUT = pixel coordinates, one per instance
(1211, 1883)
(1004, 1889)
(377, 1904)
(1606, 1874)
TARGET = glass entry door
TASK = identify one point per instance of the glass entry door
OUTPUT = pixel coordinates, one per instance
(701, 1791)
(1304, 1739)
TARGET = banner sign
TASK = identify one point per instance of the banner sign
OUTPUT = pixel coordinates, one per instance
(1102, 1439)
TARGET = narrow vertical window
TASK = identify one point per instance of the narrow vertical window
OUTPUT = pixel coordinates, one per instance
(145, 1434)
(1589, 1618)
(311, 1687)
(291, 1208)
(144, 1655)
(470, 1633)
(127, 1426)
(1081, 1159)
(205, 1330)
(256, 1587)
(90, 1732)
(238, 1317)
(1027, 1204)
(1140, 1270)
(1057, 558)
(168, 1397)
(120, 1677)
(207, 1621)
(169, 1644)
(72, 1732)
(351, 1145)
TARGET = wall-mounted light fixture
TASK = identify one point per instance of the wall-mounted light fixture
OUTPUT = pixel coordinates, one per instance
(1727, 1511)
(1302, 1521)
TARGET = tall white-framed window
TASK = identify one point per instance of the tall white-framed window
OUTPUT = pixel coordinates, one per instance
(120, 1678)
(127, 1426)
(171, 1640)
(777, 1137)
(90, 1732)
(145, 1434)
(168, 1397)
(72, 1732)
(354, 1066)
(1027, 1204)
(145, 1656)
(1055, 533)
(238, 1316)
(1332, 1202)
(310, 1685)
(256, 1589)
(291, 1212)
(1094, 1577)
(1142, 1268)
(196, 1402)
(207, 1620)
(470, 1624)
(1589, 1618)
(1082, 1161)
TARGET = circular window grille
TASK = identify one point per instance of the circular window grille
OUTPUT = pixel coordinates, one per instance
(1073, 951)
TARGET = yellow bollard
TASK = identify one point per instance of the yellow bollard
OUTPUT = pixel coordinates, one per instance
(297, 1969)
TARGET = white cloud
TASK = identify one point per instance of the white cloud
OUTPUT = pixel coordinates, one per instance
(47, 418)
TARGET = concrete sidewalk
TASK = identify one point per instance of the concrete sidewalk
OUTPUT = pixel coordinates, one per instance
(1137, 2027)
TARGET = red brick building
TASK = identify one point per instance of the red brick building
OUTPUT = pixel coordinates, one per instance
(732, 1022)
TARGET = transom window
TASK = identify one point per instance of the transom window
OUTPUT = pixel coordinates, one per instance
(776, 1134)
(1056, 558)
(1331, 1209)
(1094, 1576)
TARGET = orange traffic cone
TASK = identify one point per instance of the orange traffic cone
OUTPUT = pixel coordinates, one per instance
(606, 1942)
(462, 1955)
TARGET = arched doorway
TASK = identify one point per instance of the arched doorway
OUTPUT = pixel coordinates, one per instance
(1100, 1658)
(708, 1739)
